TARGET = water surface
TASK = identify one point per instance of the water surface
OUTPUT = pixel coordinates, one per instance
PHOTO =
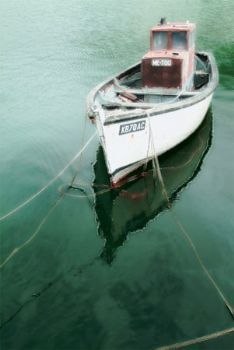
(111, 272)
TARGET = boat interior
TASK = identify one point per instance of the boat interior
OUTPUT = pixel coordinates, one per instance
(127, 91)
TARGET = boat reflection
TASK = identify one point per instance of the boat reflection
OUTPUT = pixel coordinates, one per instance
(128, 208)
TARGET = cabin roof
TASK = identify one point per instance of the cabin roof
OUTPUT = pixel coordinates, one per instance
(187, 26)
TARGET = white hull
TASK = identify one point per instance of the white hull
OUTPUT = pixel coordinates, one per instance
(124, 153)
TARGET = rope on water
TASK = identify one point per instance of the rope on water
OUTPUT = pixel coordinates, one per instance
(27, 201)
(29, 240)
(80, 159)
(184, 231)
(197, 340)
(85, 195)
(35, 233)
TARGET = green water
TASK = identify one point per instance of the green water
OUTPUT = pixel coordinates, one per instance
(111, 271)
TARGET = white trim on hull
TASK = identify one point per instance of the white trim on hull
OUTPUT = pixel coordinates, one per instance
(126, 152)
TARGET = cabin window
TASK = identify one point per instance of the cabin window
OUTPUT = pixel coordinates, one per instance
(160, 40)
(179, 40)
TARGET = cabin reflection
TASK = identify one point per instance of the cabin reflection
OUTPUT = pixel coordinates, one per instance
(128, 208)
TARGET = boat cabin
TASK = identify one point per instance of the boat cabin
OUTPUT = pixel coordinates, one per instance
(170, 61)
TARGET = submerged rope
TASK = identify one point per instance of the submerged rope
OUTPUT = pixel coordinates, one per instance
(27, 201)
(183, 230)
(197, 340)
(93, 195)
(205, 270)
(35, 233)
(80, 159)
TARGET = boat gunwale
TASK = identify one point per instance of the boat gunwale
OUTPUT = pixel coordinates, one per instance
(158, 109)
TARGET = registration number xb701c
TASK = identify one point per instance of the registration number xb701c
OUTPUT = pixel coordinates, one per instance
(132, 127)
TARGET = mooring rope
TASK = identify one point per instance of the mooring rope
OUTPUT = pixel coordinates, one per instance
(99, 193)
(80, 158)
(156, 165)
(182, 228)
(35, 233)
(205, 270)
(31, 198)
(107, 187)
(74, 271)
(197, 340)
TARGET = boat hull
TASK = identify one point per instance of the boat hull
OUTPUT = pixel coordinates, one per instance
(129, 144)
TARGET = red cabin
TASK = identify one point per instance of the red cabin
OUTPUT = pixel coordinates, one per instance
(170, 61)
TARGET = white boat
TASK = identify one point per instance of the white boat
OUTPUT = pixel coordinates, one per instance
(155, 104)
